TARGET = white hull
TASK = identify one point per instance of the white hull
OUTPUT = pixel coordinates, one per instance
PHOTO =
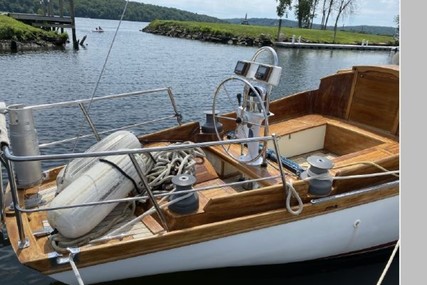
(335, 233)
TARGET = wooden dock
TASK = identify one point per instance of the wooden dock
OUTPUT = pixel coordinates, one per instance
(43, 21)
(335, 46)
(50, 21)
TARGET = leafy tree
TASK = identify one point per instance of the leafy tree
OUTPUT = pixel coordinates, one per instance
(280, 10)
(302, 12)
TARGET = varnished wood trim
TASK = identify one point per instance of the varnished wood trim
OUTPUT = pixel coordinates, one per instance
(131, 248)
(350, 101)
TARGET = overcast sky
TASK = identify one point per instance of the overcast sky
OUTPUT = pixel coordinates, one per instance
(369, 12)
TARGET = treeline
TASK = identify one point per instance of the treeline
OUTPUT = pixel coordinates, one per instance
(329, 10)
(375, 30)
(103, 9)
(305, 11)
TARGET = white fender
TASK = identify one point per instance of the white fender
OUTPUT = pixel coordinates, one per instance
(114, 141)
(99, 181)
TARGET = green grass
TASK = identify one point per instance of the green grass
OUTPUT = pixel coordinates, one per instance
(308, 35)
(11, 29)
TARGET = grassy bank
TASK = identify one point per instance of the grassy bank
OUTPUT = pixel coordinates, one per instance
(307, 35)
(13, 30)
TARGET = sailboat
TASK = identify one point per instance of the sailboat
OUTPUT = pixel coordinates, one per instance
(309, 176)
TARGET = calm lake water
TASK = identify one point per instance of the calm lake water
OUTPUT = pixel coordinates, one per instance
(193, 69)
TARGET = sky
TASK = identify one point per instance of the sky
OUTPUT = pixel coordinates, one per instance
(369, 12)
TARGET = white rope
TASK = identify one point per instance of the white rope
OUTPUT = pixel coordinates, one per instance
(162, 166)
(390, 260)
(365, 162)
(293, 192)
(74, 267)
(367, 175)
(328, 177)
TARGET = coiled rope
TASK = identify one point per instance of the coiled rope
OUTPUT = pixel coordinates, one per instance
(162, 166)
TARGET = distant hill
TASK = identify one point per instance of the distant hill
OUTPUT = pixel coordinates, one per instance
(109, 9)
(376, 30)
(136, 11)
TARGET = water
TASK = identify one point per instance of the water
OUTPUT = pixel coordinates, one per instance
(193, 69)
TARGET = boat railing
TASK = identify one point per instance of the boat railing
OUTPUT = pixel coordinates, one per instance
(25, 135)
(9, 158)
(82, 103)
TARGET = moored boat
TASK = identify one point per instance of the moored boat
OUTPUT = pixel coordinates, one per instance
(309, 176)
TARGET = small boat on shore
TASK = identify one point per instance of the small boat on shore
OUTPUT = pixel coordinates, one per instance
(310, 176)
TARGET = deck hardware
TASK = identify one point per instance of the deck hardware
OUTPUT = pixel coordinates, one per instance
(318, 175)
(209, 126)
(23, 243)
(44, 231)
(178, 115)
(60, 258)
(73, 253)
(247, 185)
(356, 223)
(190, 204)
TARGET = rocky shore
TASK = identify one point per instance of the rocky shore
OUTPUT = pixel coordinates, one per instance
(223, 38)
(17, 46)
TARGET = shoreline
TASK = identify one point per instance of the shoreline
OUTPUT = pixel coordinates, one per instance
(16, 46)
(262, 36)
(335, 46)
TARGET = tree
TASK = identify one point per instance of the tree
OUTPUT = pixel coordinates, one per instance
(313, 11)
(397, 33)
(343, 7)
(305, 12)
(302, 12)
(326, 12)
(323, 14)
(280, 10)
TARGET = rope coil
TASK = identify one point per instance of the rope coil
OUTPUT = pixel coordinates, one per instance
(162, 166)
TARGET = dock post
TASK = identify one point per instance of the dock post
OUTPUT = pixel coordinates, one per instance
(73, 23)
(61, 11)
